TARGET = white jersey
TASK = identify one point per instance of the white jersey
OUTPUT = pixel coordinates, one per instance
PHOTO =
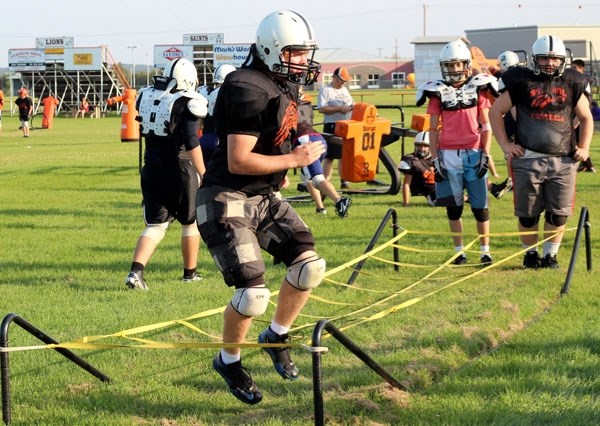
(330, 96)
(210, 93)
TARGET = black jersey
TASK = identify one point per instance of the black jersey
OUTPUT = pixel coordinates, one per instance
(251, 102)
(545, 108)
(184, 136)
(421, 170)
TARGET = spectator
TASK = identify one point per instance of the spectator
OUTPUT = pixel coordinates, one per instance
(25, 105)
(169, 115)
(544, 158)
(84, 108)
(419, 174)
(461, 148)
(335, 103)
(239, 210)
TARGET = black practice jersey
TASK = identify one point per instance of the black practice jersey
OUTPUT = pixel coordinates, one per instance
(251, 102)
(545, 108)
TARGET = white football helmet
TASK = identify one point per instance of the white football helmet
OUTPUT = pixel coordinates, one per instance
(221, 72)
(549, 47)
(287, 31)
(184, 72)
(508, 59)
(455, 51)
(422, 138)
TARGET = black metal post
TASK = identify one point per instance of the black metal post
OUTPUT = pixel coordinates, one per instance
(390, 213)
(4, 362)
(358, 352)
(583, 216)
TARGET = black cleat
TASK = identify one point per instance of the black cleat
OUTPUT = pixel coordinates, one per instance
(280, 356)
(531, 260)
(549, 261)
(239, 380)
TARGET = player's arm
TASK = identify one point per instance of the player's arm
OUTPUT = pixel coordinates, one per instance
(586, 129)
(241, 159)
(406, 190)
(496, 115)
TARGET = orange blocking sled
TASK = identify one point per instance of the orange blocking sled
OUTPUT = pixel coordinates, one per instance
(130, 128)
(361, 142)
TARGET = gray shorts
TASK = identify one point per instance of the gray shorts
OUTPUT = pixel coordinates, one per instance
(235, 227)
(544, 184)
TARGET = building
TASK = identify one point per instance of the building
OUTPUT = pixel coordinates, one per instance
(366, 71)
(580, 42)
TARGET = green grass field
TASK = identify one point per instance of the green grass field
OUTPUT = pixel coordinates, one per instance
(472, 347)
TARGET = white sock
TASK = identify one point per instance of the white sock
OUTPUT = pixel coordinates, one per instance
(278, 328)
(534, 249)
(485, 250)
(228, 358)
(550, 248)
(458, 248)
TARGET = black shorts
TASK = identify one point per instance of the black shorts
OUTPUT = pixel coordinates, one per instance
(169, 190)
(334, 151)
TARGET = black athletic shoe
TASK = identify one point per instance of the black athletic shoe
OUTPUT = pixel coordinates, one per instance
(239, 380)
(531, 260)
(549, 261)
(301, 187)
(486, 260)
(460, 260)
(280, 356)
(342, 206)
(498, 189)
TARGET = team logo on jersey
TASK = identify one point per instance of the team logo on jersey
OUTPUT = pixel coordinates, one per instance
(288, 122)
(540, 99)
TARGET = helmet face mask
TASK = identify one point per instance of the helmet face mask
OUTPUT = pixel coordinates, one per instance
(184, 72)
(452, 54)
(547, 48)
(280, 37)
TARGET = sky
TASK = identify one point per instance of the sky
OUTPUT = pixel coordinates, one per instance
(384, 30)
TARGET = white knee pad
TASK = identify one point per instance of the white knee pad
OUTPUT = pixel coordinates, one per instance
(189, 230)
(317, 180)
(156, 232)
(307, 273)
(251, 301)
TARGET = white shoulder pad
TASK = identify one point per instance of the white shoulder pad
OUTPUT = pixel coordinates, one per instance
(428, 89)
(481, 80)
(198, 105)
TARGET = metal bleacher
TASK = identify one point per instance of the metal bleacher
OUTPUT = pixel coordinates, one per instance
(69, 86)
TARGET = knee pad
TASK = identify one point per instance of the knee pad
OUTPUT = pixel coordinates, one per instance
(317, 180)
(481, 215)
(251, 301)
(529, 222)
(555, 219)
(189, 230)
(156, 232)
(454, 212)
(307, 273)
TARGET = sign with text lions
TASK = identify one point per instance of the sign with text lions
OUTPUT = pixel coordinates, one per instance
(26, 60)
(165, 53)
(203, 39)
(234, 54)
(54, 47)
(83, 59)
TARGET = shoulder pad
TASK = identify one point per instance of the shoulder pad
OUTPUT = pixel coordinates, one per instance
(486, 82)
(428, 89)
(198, 106)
